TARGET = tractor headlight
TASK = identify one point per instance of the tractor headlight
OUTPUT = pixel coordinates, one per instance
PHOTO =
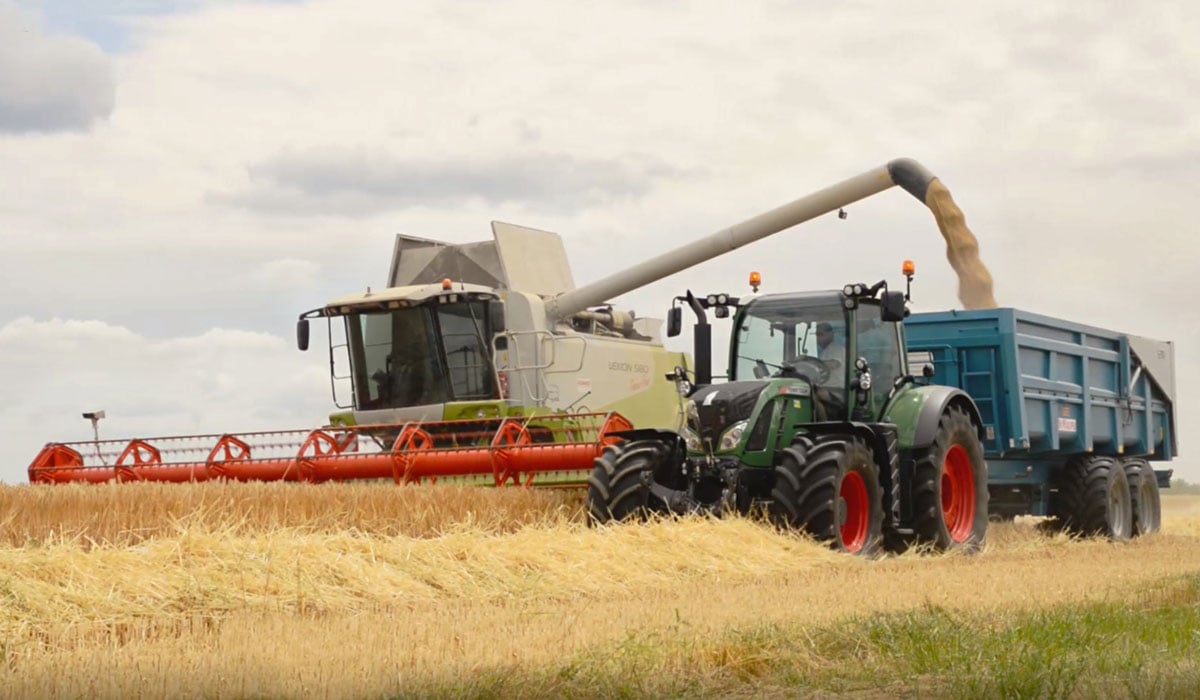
(732, 436)
(691, 439)
(693, 415)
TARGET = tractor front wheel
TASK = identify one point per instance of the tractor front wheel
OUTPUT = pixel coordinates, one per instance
(830, 489)
(950, 492)
(619, 487)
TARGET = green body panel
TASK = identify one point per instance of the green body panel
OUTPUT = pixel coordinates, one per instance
(787, 409)
(905, 412)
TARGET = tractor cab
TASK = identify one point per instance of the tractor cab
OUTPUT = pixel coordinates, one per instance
(845, 348)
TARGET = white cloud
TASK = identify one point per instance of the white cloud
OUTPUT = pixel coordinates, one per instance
(50, 83)
(290, 273)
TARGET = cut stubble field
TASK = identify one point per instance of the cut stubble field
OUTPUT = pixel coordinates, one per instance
(366, 590)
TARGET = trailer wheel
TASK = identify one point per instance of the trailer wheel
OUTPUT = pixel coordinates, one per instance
(619, 487)
(1093, 498)
(1143, 496)
(830, 489)
(950, 491)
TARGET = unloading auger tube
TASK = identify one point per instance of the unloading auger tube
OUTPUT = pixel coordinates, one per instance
(910, 175)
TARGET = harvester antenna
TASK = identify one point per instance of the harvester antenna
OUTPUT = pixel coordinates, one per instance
(842, 214)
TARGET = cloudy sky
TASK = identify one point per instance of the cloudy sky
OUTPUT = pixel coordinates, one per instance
(181, 178)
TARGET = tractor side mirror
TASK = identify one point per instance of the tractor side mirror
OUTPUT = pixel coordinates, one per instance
(302, 334)
(674, 321)
(892, 309)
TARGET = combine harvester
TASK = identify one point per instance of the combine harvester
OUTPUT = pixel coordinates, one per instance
(481, 362)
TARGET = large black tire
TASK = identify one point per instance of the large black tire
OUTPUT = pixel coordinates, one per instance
(830, 489)
(1143, 496)
(1092, 498)
(949, 490)
(619, 487)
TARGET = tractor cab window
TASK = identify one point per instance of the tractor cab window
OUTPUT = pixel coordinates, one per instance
(420, 356)
(780, 337)
(879, 345)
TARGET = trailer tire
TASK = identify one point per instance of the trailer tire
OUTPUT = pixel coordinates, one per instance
(619, 487)
(1143, 496)
(831, 490)
(1093, 498)
(949, 488)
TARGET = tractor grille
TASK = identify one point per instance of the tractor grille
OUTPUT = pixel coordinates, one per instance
(722, 405)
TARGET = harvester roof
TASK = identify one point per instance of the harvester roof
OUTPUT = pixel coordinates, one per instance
(405, 296)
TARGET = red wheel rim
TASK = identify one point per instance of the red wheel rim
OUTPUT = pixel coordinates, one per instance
(958, 493)
(857, 512)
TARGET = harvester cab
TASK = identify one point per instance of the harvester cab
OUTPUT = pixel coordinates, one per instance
(820, 425)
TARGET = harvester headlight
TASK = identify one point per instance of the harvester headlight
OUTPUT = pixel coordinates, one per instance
(691, 439)
(732, 436)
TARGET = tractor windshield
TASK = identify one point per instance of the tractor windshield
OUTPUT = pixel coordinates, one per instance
(778, 337)
(421, 355)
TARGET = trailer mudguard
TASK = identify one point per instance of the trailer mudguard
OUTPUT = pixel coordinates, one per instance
(917, 411)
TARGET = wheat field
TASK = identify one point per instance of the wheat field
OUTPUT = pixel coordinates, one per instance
(267, 590)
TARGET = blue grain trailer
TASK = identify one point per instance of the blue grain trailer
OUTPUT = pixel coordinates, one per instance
(1073, 415)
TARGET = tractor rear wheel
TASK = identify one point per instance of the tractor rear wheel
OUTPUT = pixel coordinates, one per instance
(830, 489)
(1143, 496)
(619, 487)
(949, 491)
(1093, 498)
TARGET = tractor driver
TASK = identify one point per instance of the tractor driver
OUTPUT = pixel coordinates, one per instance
(832, 353)
(828, 348)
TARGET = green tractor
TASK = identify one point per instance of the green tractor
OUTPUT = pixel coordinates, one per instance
(820, 426)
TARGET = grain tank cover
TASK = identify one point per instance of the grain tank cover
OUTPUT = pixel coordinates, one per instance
(420, 261)
(533, 261)
(519, 258)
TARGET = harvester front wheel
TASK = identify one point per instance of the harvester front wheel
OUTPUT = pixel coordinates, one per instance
(1143, 496)
(949, 491)
(830, 489)
(619, 487)
(1093, 498)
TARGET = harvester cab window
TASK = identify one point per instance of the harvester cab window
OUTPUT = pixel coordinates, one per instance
(421, 355)
(465, 338)
(398, 364)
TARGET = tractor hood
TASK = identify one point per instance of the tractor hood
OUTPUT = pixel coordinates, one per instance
(722, 405)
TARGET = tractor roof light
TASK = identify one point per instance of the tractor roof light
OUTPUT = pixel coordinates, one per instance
(755, 281)
(909, 268)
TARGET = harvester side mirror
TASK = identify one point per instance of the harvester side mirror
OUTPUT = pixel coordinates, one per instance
(496, 316)
(302, 334)
(674, 321)
(892, 309)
